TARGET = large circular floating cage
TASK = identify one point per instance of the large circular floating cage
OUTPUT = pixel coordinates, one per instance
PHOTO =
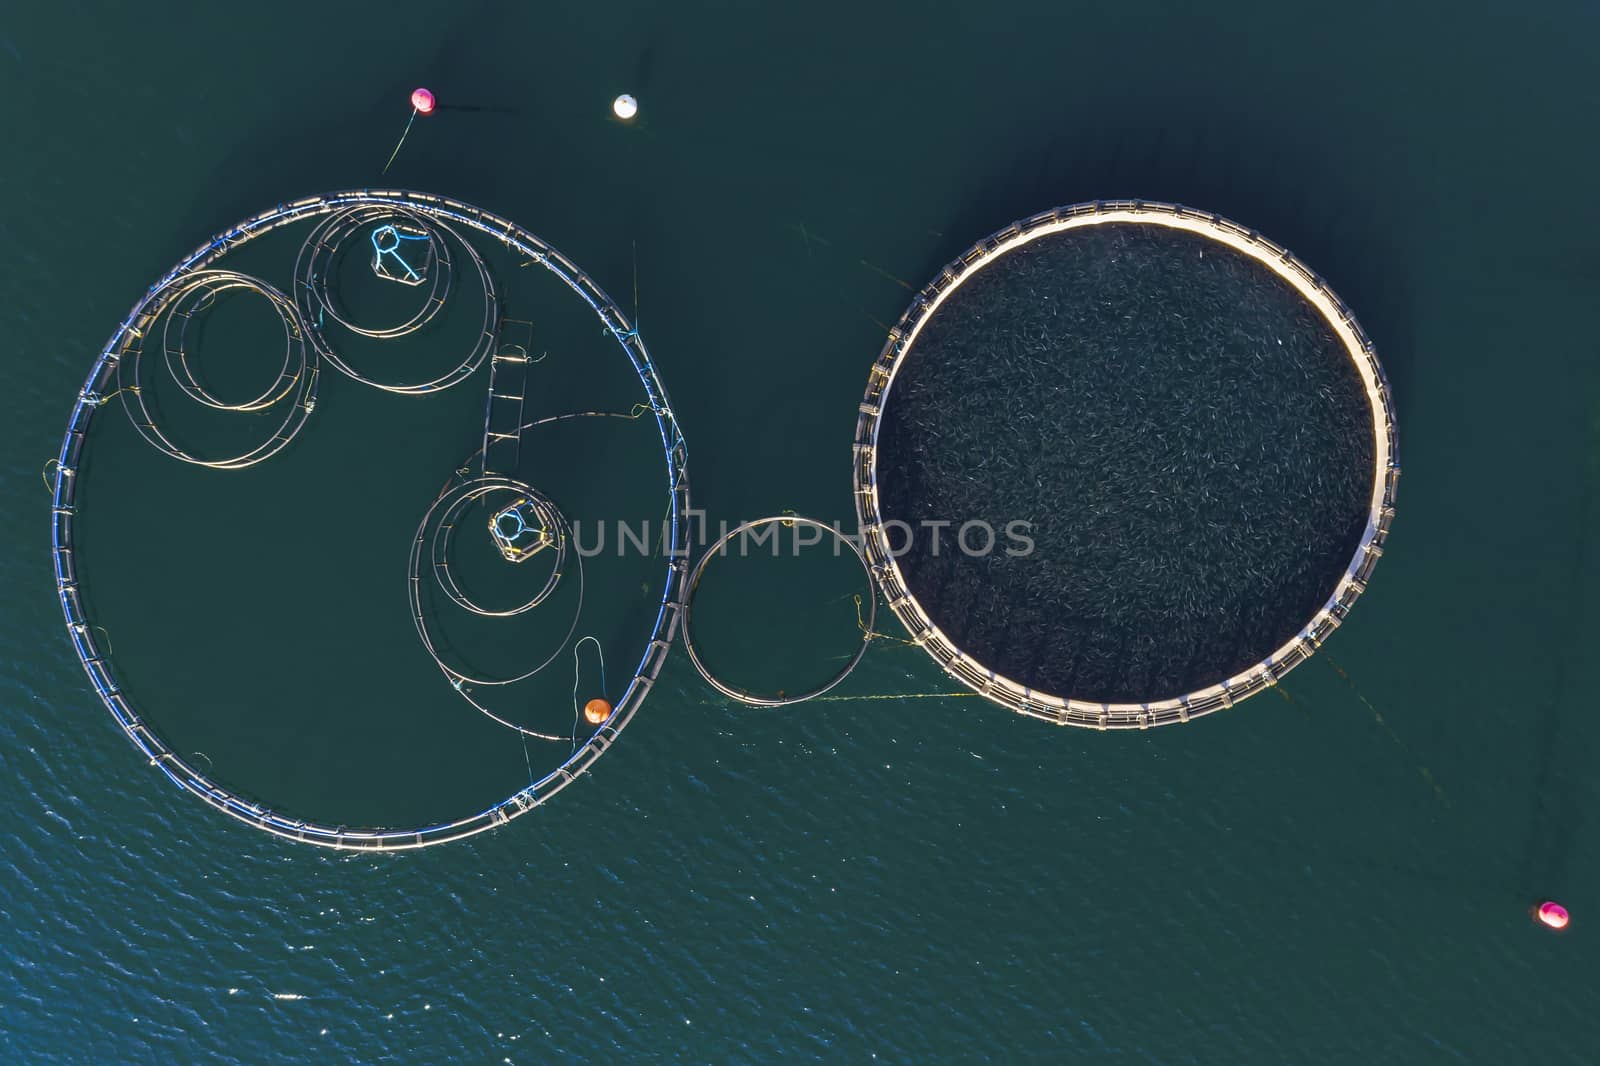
(1049, 287)
(410, 244)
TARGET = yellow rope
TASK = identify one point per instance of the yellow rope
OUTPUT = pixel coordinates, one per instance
(837, 699)
(1377, 716)
(45, 475)
(809, 237)
(872, 634)
(898, 281)
(875, 321)
(907, 696)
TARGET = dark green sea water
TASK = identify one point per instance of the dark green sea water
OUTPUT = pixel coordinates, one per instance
(1340, 877)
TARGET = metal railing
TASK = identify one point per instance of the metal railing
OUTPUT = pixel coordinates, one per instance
(101, 382)
(1063, 710)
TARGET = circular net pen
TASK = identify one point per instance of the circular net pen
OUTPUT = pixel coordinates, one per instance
(1124, 464)
(425, 245)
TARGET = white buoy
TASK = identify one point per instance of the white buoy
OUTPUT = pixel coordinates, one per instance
(625, 107)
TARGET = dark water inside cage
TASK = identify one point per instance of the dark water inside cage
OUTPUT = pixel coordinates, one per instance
(1182, 437)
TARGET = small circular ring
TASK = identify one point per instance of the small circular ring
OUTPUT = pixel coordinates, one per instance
(443, 535)
(300, 377)
(436, 545)
(756, 699)
(320, 253)
(204, 292)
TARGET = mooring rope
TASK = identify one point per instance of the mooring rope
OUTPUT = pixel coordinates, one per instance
(873, 634)
(810, 237)
(526, 759)
(1377, 716)
(402, 140)
(577, 677)
(906, 696)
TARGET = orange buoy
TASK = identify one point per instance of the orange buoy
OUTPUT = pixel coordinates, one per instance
(1553, 914)
(596, 711)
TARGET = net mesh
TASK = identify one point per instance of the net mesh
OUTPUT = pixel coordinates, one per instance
(1182, 436)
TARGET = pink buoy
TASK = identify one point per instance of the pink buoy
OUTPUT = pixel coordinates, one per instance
(423, 101)
(1553, 914)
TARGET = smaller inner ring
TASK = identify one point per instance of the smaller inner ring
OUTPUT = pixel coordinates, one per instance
(756, 699)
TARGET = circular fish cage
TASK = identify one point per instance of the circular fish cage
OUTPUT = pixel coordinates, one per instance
(1198, 506)
(422, 252)
(782, 699)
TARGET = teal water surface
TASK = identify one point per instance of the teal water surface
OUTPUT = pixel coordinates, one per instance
(1340, 876)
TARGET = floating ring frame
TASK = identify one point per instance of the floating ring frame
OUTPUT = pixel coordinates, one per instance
(191, 287)
(1062, 709)
(756, 699)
